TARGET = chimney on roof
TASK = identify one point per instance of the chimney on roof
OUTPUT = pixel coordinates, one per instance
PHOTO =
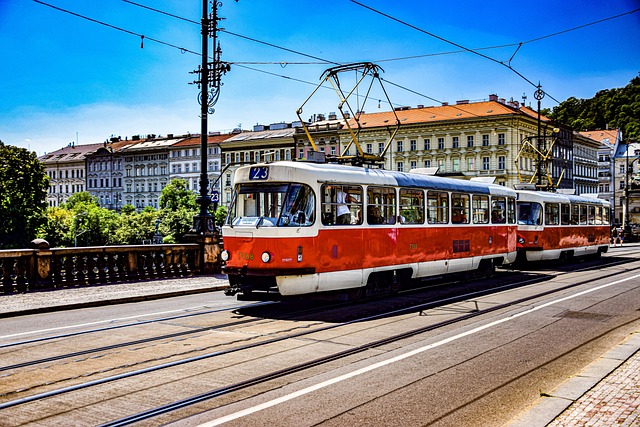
(463, 101)
(493, 97)
(514, 104)
(333, 116)
(444, 104)
(501, 100)
(420, 106)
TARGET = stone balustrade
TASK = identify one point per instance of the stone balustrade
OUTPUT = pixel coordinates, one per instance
(41, 268)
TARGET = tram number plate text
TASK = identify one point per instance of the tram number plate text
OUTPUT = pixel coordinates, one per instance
(259, 173)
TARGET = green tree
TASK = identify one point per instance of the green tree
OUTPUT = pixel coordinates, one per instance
(612, 108)
(23, 191)
(176, 194)
(221, 215)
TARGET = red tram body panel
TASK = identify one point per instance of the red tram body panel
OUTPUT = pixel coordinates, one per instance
(559, 226)
(300, 228)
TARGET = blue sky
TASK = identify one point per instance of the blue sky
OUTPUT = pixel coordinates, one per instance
(64, 78)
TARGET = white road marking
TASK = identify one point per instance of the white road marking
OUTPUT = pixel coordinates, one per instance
(291, 396)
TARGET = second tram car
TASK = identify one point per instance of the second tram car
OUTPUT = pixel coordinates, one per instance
(300, 228)
(555, 226)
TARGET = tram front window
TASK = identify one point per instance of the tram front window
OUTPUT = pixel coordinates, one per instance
(529, 213)
(272, 205)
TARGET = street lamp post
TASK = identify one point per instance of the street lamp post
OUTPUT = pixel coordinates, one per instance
(75, 230)
(210, 75)
(627, 184)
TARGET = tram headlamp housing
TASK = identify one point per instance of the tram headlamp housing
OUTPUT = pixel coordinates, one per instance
(266, 257)
(225, 255)
(521, 240)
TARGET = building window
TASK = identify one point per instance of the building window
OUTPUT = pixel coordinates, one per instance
(501, 139)
(380, 147)
(413, 145)
(456, 165)
(502, 162)
(300, 153)
(471, 166)
(485, 163)
(399, 146)
(455, 142)
(427, 163)
(414, 164)
(370, 148)
(440, 143)
(400, 166)
(485, 140)
(470, 141)
(427, 144)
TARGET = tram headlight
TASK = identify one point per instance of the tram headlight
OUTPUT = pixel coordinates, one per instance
(225, 255)
(521, 240)
(266, 257)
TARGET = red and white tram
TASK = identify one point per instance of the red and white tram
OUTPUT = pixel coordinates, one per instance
(300, 228)
(559, 226)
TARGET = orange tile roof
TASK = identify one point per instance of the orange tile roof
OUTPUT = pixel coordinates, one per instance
(195, 140)
(442, 113)
(607, 136)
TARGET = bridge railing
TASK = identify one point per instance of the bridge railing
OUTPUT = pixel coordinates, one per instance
(25, 270)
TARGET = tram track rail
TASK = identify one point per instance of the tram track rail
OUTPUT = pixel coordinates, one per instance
(283, 372)
(180, 404)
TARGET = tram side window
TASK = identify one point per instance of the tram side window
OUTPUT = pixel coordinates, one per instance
(599, 215)
(437, 207)
(529, 213)
(511, 210)
(381, 205)
(498, 210)
(411, 206)
(552, 214)
(591, 214)
(341, 204)
(565, 214)
(480, 206)
(606, 218)
(575, 214)
(460, 208)
(583, 214)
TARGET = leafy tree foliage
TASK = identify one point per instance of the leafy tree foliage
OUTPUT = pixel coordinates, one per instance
(176, 194)
(221, 215)
(615, 108)
(23, 191)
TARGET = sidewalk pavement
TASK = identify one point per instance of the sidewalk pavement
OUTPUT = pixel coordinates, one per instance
(605, 393)
(100, 295)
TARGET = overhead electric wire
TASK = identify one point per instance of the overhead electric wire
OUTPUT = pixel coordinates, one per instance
(452, 43)
(142, 36)
(322, 61)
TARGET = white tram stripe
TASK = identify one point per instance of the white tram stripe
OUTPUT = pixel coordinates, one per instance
(398, 358)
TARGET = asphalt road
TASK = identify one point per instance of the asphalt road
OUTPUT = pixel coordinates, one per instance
(480, 372)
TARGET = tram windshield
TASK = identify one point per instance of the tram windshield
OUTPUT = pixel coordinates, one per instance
(272, 205)
(529, 213)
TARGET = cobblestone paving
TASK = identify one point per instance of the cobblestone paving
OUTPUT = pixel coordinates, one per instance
(614, 401)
